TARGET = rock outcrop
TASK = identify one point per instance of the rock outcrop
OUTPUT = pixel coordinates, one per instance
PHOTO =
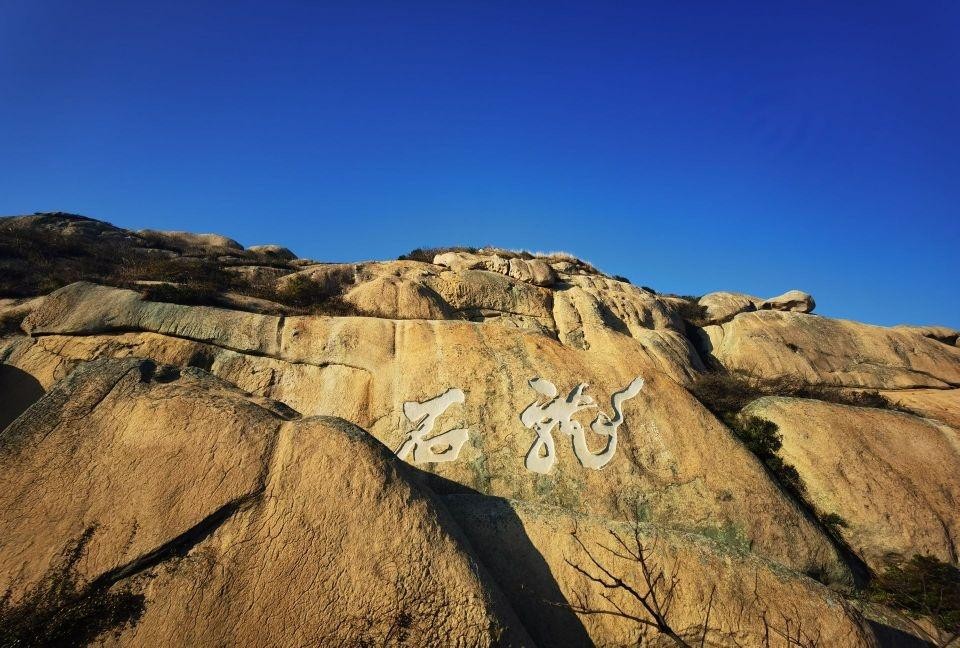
(237, 521)
(820, 350)
(262, 450)
(721, 307)
(795, 301)
(890, 476)
(724, 306)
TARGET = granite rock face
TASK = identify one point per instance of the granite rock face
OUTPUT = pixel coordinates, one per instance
(397, 452)
(239, 522)
(892, 477)
(842, 353)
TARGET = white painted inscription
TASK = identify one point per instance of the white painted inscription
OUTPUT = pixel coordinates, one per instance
(442, 447)
(542, 418)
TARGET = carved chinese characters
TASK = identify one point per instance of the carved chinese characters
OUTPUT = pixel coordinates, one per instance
(442, 447)
(542, 418)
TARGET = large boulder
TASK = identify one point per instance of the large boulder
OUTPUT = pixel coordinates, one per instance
(190, 242)
(891, 476)
(793, 300)
(724, 306)
(221, 519)
(273, 251)
(533, 271)
(819, 350)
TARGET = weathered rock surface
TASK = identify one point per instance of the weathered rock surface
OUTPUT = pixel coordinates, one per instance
(940, 404)
(723, 306)
(891, 476)
(188, 241)
(363, 369)
(819, 350)
(533, 271)
(793, 300)
(530, 551)
(240, 523)
(275, 251)
(943, 334)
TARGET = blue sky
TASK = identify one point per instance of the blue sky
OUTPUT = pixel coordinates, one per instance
(691, 146)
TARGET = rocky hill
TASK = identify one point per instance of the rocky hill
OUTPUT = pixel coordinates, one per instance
(208, 445)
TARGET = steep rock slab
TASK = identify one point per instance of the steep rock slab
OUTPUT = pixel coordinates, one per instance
(83, 308)
(818, 350)
(529, 548)
(940, 404)
(673, 459)
(939, 333)
(891, 476)
(106, 430)
(239, 524)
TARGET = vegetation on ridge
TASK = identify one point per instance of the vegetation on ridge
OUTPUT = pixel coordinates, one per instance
(925, 588)
(38, 260)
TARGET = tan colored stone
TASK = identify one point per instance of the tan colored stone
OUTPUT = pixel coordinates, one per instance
(793, 300)
(529, 550)
(265, 275)
(532, 271)
(14, 311)
(276, 251)
(333, 278)
(238, 526)
(943, 334)
(476, 290)
(891, 476)
(940, 404)
(83, 308)
(819, 350)
(395, 298)
(191, 241)
(723, 306)
(364, 369)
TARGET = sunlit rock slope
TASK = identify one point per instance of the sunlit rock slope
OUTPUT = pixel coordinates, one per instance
(240, 447)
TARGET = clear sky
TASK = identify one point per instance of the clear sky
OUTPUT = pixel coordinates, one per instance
(691, 146)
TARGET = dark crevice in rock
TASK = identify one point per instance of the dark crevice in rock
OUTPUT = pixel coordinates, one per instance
(177, 547)
(281, 323)
(19, 391)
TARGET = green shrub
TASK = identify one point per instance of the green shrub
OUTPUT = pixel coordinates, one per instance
(763, 439)
(690, 310)
(58, 611)
(726, 393)
(302, 291)
(427, 255)
(310, 296)
(188, 295)
(923, 586)
(834, 521)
